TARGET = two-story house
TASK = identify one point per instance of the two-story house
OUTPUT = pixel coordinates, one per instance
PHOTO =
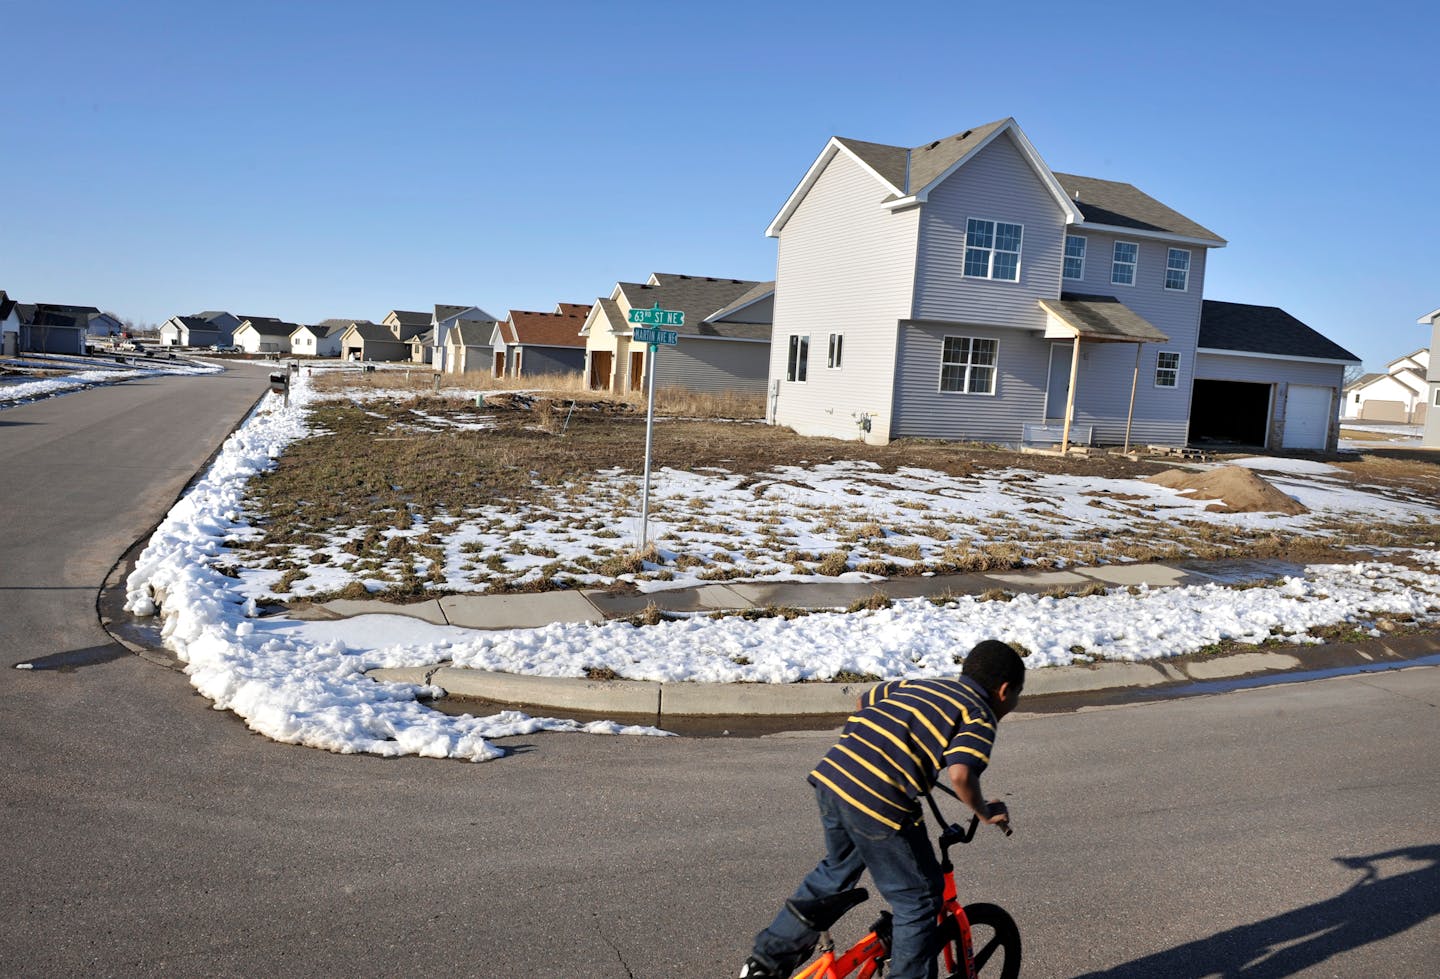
(963, 290)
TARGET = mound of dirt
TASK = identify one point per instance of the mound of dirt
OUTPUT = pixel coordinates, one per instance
(1235, 490)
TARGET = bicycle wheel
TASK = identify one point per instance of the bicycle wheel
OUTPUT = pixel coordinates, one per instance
(994, 939)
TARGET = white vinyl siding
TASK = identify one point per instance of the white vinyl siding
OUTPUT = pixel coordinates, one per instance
(1167, 369)
(967, 365)
(1124, 263)
(992, 249)
(1177, 270)
(1074, 256)
(844, 264)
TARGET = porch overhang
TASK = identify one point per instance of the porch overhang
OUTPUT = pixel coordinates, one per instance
(1097, 319)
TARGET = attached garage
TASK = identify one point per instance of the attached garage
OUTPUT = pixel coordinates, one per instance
(1264, 379)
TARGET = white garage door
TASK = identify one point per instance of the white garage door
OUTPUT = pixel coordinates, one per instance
(1307, 417)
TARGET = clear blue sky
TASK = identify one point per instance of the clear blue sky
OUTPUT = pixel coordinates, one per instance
(307, 160)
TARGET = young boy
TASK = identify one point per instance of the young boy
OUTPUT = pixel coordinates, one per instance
(868, 788)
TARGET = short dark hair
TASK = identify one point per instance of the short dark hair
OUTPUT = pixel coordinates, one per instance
(992, 663)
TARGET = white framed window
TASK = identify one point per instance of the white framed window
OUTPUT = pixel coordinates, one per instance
(1123, 263)
(967, 365)
(992, 249)
(1177, 269)
(1074, 256)
(795, 367)
(837, 349)
(1167, 369)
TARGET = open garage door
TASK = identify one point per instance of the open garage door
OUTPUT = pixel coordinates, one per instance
(1307, 417)
(1235, 412)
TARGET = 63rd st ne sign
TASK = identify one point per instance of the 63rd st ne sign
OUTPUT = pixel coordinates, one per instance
(655, 316)
(647, 330)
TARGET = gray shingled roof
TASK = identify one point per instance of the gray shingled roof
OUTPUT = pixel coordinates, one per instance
(408, 316)
(697, 297)
(1125, 206)
(445, 312)
(754, 294)
(472, 333)
(1103, 318)
(1104, 202)
(1264, 330)
(271, 328)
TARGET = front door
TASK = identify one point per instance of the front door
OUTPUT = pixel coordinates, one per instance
(499, 363)
(600, 361)
(637, 369)
(1057, 392)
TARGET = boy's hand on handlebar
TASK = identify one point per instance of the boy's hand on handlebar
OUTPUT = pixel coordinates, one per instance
(999, 815)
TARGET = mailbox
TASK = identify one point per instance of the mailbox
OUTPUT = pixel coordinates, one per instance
(279, 383)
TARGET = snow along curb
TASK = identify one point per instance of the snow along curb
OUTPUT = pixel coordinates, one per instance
(801, 699)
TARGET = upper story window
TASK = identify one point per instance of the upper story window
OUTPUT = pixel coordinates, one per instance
(967, 365)
(1074, 257)
(1122, 265)
(1177, 269)
(992, 250)
(1167, 369)
(795, 366)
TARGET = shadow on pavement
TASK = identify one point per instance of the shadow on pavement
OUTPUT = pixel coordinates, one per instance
(74, 659)
(1373, 908)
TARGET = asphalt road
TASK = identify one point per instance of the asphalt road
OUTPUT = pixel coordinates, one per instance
(1282, 831)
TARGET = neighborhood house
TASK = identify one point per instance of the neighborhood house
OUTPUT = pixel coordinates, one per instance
(962, 289)
(530, 344)
(724, 342)
(1431, 435)
(1398, 395)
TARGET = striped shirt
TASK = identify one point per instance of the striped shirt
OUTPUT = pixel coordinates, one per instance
(905, 732)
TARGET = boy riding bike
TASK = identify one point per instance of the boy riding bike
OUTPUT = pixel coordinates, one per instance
(868, 786)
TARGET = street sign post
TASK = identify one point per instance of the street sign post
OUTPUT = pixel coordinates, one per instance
(648, 330)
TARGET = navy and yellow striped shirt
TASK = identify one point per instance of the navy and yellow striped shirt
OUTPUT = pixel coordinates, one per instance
(905, 732)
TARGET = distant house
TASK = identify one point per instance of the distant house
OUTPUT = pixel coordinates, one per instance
(961, 289)
(724, 342)
(103, 325)
(1431, 435)
(262, 335)
(318, 340)
(408, 323)
(422, 347)
(468, 347)
(1400, 394)
(53, 327)
(364, 340)
(9, 326)
(205, 329)
(530, 344)
(443, 320)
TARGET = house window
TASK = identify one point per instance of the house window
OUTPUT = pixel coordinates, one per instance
(799, 355)
(967, 365)
(1177, 269)
(1167, 369)
(1437, 397)
(837, 344)
(1122, 265)
(1074, 257)
(992, 250)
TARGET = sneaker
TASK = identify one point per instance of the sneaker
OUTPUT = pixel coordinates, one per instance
(754, 969)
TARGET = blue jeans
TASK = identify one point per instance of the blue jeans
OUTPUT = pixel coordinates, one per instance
(903, 866)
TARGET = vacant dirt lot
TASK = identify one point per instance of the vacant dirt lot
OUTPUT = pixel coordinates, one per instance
(421, 495)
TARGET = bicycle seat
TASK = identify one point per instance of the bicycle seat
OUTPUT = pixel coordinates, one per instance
(820, 913)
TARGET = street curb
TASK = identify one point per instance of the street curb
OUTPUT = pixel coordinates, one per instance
(660, 700)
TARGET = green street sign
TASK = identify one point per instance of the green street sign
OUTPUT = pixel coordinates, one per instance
(650, 334)
(657, 317)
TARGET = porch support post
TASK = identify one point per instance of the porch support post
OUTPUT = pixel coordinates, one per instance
(1134, 381)
(1070, 396)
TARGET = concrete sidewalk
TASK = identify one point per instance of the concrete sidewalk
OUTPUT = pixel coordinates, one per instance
(645, 699)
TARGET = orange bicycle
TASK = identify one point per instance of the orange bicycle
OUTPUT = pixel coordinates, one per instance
(975, 941)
